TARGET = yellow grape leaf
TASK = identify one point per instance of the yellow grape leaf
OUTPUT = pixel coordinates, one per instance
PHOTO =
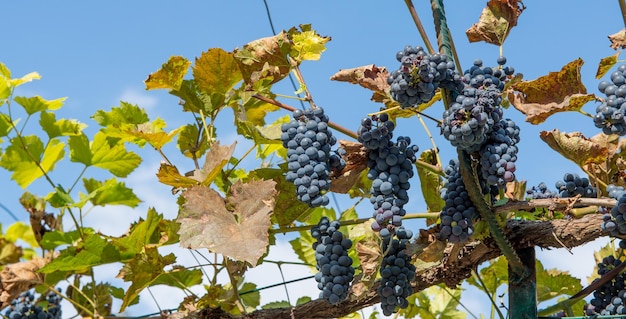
(170, 75)
(265, 58)
(618, 40)
(236, 227)
(606, 64)
(216, 71)
(552, 93)
(575, 147)
(217, 157)
(496, 21)
(307, 44)
(169, 175)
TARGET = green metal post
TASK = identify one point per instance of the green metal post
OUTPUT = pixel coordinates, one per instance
(523, 289)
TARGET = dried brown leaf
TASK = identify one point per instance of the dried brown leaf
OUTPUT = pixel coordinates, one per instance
(370, 256)
(368, 76)
(556, 92)
(265, 58)
(356, 162)
(575, 147)
(618, 40)
(217, 157)
(236, 227)
(19, 277)
(496, 21)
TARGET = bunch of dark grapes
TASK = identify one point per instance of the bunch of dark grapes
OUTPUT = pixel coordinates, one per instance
(459, 211)
(309, 158)
(615, 191)
(615, 222)
(24, 307)
(375, 131)
(611, 114)
(610, 298)
(573, 185)
(333, 263)
(468, 121)
(390, 169)
(396, 271)
(420, 75)
(541, 191)
(499, 153)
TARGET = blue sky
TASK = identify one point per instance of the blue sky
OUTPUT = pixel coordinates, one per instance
(98, 53)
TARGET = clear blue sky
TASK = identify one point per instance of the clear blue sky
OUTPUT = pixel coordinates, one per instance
(98, 53)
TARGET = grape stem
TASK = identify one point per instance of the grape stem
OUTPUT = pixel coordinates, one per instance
(291, 109)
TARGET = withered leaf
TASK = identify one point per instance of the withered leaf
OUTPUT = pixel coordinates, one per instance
(552, 93)
(19, 277)
(618, 40)
(236, 227)
(217, 157)
(265, 58)
(496, 21)
(606, 64)
(356, 162)
(368, 76)
(575, 147)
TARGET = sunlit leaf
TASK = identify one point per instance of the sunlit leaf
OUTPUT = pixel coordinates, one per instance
(496, 21)
(36, 104)
(80, 150)
(434, 302)
(170, 75)
(102, 292)
(21, 231)
(306, 43)
(553, 283)
(236, 227)
(94, 251)
(556, 92)
(25, 79)
(126, 113)
(111, 192)
(618, 40)
(169, 175)
(141, 271)
(575, 147)
(55, 238)
(114, 158)
(179, 277)
(25, 170)
(143, 233)
(216, 72)
(62, 127)
(9, 252)
(606, 64)
(153, 133)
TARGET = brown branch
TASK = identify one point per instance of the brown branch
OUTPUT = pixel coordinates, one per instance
(522, 234)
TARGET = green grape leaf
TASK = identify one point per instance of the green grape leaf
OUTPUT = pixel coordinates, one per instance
(153, 134)
(80, 150)
(496, 21)
(114, 158)
(62, 127)
(189, 144)
(25, 79)
(179, 277)
(306, 44)
(126, 113)
(192, 99)
(276, 305)
(575, 147)
(553, 283)
(111, 192)
(145, 232)
(287, 207)
(606, 64)
(170, 75)
(36, 104)
(21, 231)
(265, 58)
(5, 124)
(102, 293)
(55, 238)
(430, 182)
(94, 251)
(217, 157)
(618, 40)
(25, 170)
(493, 276)
(236, 227)
(141, 271)
(556, 92)
(216, 72)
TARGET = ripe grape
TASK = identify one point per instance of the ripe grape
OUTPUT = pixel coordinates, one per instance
(25, 307)
(333, 263)
(610, 114)
(541, 191)
(573, 185)
(459, 211)
(499, 153)
(396, 272)
(309, 158)
(610, 298)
